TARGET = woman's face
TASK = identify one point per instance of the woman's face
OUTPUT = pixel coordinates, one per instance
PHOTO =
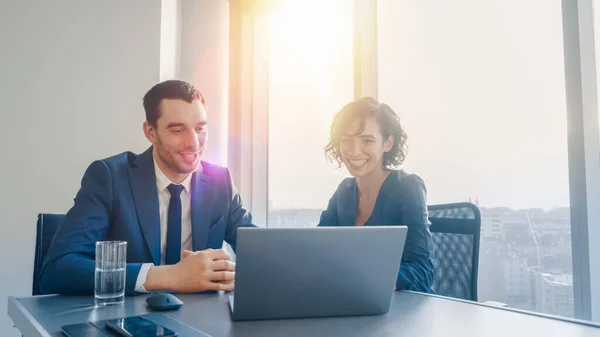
(362, 154)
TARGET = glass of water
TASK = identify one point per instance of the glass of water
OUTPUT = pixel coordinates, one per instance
(109, 282)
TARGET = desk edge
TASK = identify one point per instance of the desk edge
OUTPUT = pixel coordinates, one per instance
(519, 311)
(23, 320)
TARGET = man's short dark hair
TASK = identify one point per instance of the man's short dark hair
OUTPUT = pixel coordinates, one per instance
(170, 89)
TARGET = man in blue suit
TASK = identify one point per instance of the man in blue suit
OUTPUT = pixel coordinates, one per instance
(173, 209)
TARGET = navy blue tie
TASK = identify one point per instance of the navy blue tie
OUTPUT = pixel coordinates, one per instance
(173, 254)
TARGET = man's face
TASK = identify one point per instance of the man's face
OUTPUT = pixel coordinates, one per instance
(179, 137)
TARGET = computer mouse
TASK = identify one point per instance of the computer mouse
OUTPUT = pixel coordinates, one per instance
(164, 302)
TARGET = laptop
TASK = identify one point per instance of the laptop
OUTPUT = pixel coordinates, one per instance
(315, 272)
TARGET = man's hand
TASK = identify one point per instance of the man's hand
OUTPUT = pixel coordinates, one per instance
(231, 267)
(197, 271)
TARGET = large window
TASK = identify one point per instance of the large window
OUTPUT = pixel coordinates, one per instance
(480, 88)
(310, 78)
(499, 111)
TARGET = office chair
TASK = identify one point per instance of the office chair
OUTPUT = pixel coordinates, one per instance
(455, 229)
(47, 224)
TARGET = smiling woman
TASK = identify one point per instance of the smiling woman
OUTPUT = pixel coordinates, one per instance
(367, 138)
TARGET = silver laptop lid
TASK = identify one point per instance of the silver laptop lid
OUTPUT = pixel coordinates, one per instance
(316, 272)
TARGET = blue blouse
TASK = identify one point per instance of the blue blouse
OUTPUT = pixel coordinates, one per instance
(401, 201)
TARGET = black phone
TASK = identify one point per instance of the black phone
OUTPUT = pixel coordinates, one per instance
(82, 330)
(136, 326)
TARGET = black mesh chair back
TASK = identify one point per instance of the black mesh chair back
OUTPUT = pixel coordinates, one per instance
(455, 229)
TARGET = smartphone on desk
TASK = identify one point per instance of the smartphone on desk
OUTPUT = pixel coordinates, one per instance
(82, 330)
(136, 326)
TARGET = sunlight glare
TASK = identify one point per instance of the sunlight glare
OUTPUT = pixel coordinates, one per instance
(311, 33)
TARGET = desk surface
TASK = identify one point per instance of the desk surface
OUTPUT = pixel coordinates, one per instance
(412, 314)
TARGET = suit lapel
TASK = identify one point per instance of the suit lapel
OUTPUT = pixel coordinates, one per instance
(145, 196)
(201, 209)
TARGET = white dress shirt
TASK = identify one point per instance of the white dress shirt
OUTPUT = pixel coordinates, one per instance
(164, 197)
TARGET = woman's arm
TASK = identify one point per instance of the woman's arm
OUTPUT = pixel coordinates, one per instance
(416, 269)
(329, 216)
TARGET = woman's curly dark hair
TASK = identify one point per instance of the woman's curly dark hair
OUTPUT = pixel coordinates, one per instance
(388, 121)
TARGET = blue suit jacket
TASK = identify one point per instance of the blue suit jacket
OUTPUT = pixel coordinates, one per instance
(118, 200)
(401, 201)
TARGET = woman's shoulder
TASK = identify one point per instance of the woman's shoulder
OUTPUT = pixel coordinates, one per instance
(404, 179)
(406, 186)
(407, 189)
(348, 183)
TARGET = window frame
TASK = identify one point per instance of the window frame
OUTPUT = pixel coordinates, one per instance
(248, 106)
(583, 149)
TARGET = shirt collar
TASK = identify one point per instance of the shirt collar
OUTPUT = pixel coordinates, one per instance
(162, 182)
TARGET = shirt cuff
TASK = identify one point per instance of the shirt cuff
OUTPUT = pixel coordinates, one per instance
(141, 279)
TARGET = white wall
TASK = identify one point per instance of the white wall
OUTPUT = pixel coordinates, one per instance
(72, 77)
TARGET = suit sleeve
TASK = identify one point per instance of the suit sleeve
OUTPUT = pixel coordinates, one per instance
(416, 269)
(237, 215)
(69, 265)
